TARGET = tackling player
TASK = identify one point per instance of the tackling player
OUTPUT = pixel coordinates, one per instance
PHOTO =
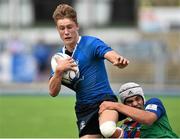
(92, 87)
(151, 114)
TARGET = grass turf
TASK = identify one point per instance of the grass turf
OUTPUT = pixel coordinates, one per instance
(47, 117)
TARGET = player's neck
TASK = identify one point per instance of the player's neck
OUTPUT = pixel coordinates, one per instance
(70, 48)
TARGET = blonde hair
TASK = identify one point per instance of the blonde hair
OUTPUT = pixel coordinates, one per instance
(65, 11)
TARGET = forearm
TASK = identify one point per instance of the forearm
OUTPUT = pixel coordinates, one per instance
(112, 56)
(141, 116)
(116, 59)
(55, 85)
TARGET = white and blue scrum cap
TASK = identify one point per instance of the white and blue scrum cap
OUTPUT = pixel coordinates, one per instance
(130, 89)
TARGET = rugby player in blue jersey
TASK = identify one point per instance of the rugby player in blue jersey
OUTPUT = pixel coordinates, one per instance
(92, 87)
(148, 119)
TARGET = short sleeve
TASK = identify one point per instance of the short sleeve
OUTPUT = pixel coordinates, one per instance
(155, 105)
(101, 48)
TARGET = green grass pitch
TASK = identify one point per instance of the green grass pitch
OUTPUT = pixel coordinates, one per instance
(47, 117)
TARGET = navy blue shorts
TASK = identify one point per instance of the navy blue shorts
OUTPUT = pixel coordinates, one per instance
(88, 117)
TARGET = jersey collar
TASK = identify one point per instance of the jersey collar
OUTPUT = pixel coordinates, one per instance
(64, 47)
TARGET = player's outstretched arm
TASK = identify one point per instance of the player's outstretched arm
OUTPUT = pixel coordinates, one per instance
(116, 59)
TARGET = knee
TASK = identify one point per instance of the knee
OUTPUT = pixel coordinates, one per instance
(108, 128)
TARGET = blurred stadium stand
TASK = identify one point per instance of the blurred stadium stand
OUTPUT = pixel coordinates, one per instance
(146, 32)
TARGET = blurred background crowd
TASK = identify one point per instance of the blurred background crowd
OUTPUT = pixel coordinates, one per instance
(146, 32)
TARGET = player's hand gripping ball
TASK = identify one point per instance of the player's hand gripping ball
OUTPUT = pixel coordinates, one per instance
(69, 75)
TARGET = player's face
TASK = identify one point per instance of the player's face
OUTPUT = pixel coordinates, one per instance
(135, 101)
(68, 31)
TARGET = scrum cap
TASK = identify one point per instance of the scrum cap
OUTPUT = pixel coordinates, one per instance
(130, 89)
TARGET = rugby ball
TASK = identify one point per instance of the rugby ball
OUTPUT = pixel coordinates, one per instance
(69, 75)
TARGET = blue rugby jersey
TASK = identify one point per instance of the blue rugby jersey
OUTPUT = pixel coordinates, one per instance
(93, 84)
